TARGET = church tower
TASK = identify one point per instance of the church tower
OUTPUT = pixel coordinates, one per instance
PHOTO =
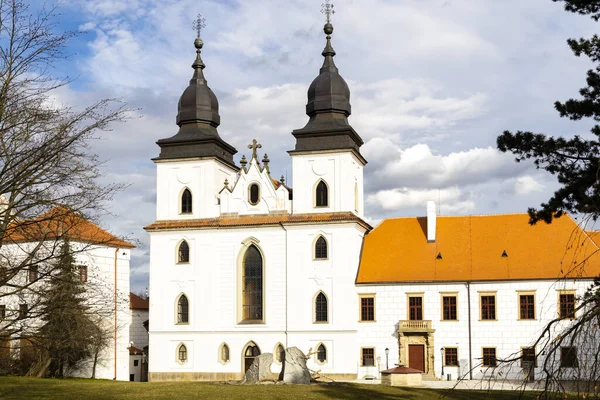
(193, 164)
(327, 164)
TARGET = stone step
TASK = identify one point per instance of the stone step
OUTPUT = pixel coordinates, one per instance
(427, 377)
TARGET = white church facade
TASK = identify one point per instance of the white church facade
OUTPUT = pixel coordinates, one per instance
(241, 264)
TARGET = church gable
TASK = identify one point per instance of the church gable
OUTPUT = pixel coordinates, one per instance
(254, 191)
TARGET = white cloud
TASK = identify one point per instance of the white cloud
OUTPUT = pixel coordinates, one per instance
(453, 199)
(526, 184)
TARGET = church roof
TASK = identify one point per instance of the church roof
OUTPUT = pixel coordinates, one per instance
(257, 220)
(477, 248)
(62, 222)
(137, 303)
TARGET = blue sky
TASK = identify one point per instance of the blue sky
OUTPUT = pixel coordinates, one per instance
(433, 83)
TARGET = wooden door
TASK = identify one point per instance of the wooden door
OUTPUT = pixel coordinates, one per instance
(416, 356)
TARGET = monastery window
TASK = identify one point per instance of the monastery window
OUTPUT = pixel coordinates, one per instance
(321, 248)
(83, 273)
(254, 194)
(451, 356)
(182, 354)
(32, 273)
(566, 305)
(279, 353)
(489, 357)
(252, 285)
(321, 354)
(527, 306)
(528, 357)
(23, 309)
(224, 354)
(183, 253)
(487, 302)
(449, 311)
(322, 195)
(415, 308)
(321, 308)
(2, 311)
(183, 310)
(186, 202)
(367, 356)
(367, 308)
(568, 357)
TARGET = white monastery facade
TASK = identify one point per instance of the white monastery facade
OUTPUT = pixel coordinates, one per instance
(241, 264)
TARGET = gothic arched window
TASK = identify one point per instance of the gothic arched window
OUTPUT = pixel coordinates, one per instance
(224, 353)
(182, 353)
(321, 308)
(183, 253)
(321, 353)
(321, 248)
(186, 202)
(252, 285)
(322, 197)
(183, 310)
(279, 353)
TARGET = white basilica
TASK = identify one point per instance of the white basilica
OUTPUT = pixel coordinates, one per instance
(242, 265)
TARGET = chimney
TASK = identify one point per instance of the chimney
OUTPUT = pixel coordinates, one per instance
(431, 222)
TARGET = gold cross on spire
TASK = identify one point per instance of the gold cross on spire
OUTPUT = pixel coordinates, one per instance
(327, 9)
(255, 145)
(199, 24)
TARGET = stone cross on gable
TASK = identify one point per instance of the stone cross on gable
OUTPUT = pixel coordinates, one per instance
(255, 145)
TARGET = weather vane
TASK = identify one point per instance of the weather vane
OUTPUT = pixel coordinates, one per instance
(327, 9)
(199, 24)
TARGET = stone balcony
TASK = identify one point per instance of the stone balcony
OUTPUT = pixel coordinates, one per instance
(408, 326)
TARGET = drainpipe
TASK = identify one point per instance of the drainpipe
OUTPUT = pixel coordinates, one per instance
(286, 284)
(468, 284)
(115, 311)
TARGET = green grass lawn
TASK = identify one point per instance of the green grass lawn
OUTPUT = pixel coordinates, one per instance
(86, 389)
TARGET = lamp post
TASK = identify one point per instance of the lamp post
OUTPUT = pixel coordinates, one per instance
(442, 359)
(387, 353)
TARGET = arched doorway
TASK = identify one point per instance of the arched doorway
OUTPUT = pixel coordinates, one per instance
(250, 353)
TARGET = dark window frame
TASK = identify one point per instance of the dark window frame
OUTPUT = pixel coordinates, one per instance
(186, 201)
(183, 310)
(489, 357)
(527, 306)
(23, 310)
(32, 274)
(321, 248)
(566, 305)
(367, 356)
(450, 308)
(488, 307)
(182, 353)
(367, 308)
(415, 311)
(568, 357)
(2, 311)
(253, 286)
(322, 194)
(183, 252)
(451, 356)
(321, 354)
(254, 193)
(83, 273)
(321, 308)
(528, 354)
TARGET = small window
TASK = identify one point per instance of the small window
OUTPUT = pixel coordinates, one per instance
(135, 363)
(186, 202)
(488, 307)
(224, 353)
(489, 356)
(23, 309)
(254, 194)
(321, 354)
(131, 377)
(415, 308)
(449, 308)
(527, 306)
(321, 248)
(568, 357)
(528, 357)
(279, 353)
(2, 311)
(32, 274)
(322, 199)
(183, 310)
(182, 354)
(183, 254)
(367, 308)
(321, 308)
(451, 356)
(83, 273)
(566, 305)
(367, 357)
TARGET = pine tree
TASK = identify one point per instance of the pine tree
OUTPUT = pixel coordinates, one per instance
(576, 161)
(65, 334)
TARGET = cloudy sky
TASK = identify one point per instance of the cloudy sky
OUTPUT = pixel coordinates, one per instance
(433, 83)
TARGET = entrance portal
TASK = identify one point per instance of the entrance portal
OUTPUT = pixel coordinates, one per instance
(251, 352)
(416, 356)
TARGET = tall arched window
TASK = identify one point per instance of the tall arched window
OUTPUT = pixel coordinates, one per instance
(322, 199)
(186, 202)
(321, 248)
(183, 253)
(321, 353)
(182, 353)
(254, 194)
(321, 308)
(251, 351)
(279, 353)
(183, 310)
(252, 285)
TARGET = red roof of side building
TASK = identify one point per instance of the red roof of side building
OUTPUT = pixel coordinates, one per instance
(477, 248)
(137, 303)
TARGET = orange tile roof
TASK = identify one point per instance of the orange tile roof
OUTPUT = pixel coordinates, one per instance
(257, 220)
(137, 303)
(471, 249)
(60, 222)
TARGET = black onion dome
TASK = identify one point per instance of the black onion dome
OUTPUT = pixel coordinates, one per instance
(198, 103)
